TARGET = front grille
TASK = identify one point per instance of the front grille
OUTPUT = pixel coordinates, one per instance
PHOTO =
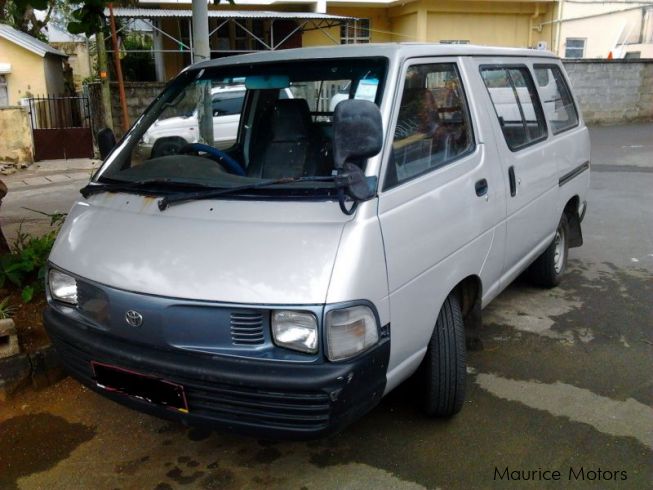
(247, 327)
(218, 401)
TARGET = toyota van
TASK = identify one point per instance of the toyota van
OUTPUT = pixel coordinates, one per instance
(283, 284)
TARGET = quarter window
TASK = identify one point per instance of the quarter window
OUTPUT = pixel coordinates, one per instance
(433, 126)
(556, 98)
(516, 104)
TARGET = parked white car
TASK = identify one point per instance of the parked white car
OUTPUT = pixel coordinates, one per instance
(283, 285)
(167, 136)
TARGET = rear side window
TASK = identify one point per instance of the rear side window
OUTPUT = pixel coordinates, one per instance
(433, 126)
(556, 98)
(516, 103)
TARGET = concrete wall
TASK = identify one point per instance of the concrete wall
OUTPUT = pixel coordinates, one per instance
(613, 92)
(78, 59)
(139, 95)
(27, 73)
(53, 68)
(16, 140)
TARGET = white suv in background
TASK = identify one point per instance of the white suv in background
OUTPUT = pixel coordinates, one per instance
(168, 136)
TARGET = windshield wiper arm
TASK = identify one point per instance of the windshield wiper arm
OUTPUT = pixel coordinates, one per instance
(138, 186)
(167, 201)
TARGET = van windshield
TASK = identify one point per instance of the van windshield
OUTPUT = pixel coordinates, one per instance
(231, 126)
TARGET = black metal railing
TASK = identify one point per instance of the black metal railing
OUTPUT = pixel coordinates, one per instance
(57, 112)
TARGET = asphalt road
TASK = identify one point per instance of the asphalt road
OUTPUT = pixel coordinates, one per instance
(563, 383)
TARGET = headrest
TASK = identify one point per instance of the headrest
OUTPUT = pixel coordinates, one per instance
(291, 120)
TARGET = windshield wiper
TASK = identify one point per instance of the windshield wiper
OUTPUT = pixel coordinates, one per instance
(138, 187)
(167, 201)
(352, 183)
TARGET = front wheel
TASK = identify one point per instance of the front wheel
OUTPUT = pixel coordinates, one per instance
(444, 367)
(549, 267)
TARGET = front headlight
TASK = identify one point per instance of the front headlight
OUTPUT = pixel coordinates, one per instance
(350, 331)
(62, 287)
(295, 330)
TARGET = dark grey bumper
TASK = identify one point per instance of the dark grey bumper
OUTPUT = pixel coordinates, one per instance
(270, 399)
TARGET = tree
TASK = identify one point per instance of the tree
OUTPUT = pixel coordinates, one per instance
(21, 14)
(88, 18)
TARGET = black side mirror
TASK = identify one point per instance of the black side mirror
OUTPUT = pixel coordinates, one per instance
(106, 141)
(357, 131)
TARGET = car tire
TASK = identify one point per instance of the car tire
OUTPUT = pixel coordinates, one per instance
(444, 367)
(167, 146)
(549, 267)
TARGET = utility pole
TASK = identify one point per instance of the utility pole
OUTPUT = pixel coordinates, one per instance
(201, 49)
(121, 83)
(104, 78)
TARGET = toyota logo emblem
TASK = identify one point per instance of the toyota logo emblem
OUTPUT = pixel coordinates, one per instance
(134, 318)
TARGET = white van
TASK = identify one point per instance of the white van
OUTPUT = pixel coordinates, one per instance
(284, 285)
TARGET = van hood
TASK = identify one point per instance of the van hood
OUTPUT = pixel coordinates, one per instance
(227, 251)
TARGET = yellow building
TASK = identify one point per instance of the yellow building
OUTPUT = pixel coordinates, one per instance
(27, 67)
(251, 25)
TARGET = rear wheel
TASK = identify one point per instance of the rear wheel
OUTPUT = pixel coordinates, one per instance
(549, 267)
(443, 370)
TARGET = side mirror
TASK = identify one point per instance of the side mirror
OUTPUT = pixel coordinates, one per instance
(106, 141)
(357, 131)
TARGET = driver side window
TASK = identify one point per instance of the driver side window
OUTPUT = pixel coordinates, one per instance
(433, 127)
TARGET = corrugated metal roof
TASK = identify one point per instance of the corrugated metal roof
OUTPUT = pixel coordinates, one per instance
(140, 13)
(28, 42)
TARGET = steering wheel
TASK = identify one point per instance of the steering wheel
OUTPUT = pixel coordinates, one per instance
(231, 165)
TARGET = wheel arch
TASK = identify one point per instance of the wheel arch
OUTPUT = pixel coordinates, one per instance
(573, 220)
(469, 292)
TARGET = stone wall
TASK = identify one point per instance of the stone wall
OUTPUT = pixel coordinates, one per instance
(16, 139)
(139, 95)
(613, 92)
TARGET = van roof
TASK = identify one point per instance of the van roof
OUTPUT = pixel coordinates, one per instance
(389, 50)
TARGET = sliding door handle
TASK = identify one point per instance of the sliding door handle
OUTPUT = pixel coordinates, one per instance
(513, 183)
(481, 187)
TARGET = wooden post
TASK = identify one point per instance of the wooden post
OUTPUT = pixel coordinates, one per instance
(116, 60)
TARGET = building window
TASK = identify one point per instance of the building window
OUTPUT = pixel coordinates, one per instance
(633, 55)
(355, 32)
(574, 48)
(4, 95)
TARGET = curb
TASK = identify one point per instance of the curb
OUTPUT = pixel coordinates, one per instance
(40, 369)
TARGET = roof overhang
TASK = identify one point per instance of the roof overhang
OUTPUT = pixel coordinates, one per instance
(141, 13)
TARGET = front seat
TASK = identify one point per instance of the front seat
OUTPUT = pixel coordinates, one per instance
(286, 145)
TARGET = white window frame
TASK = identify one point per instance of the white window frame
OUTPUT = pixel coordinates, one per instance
(361, 34)
(4, 90)
(582, 52)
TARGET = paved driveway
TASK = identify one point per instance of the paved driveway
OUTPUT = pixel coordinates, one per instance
(564, 383)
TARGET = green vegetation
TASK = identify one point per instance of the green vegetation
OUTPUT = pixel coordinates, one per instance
(26, 265)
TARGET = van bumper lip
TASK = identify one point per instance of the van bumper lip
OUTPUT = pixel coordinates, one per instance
(274, 400)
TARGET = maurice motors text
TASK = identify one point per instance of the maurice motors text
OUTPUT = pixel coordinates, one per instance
(579, 473)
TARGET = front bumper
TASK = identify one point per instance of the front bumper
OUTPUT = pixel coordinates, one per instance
(270, 399)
